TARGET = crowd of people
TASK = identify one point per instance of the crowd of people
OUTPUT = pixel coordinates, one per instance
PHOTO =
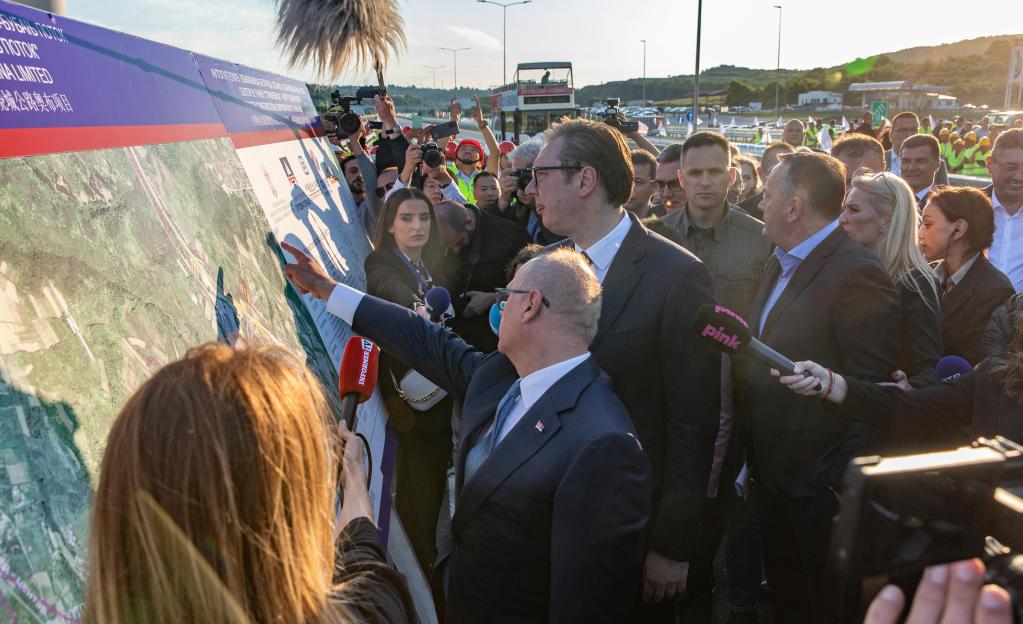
(570, 450)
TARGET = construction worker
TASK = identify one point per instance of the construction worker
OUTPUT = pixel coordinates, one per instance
(976, 165)
(469, 160)
(945, 144)
(958, 155)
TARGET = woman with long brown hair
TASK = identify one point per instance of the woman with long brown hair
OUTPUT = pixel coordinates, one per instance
(216, 503)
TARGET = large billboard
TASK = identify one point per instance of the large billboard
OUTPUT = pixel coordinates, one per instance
(143, 192)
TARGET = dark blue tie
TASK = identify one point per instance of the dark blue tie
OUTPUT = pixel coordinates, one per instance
(486, 442)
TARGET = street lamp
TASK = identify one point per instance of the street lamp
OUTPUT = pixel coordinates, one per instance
(777, 74)
(504, 28)
(696, 76)
(643, 42)
(455, 52)
(434, 68)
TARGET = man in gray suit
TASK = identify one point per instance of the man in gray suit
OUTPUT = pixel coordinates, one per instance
(667, 379)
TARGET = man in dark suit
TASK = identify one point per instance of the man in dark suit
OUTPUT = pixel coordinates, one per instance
(478, 247)
(768, 161)
(552, 485)
(826, 298)
(667, 379)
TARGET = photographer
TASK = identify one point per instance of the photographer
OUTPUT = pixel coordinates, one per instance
(436, 182)
(517, 203)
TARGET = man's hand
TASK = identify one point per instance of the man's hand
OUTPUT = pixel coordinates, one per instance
(385, 110)
(422, 135)
(440, 174)
(479, 302)
(949, 594)
(509, 186)
(663, 577)
(477, 113)
(902, 381)
(456, 109)
(307, 275)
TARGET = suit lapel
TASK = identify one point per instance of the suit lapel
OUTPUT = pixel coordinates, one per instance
(622, 277)
(534, 430)
(805, 272)
(771, 273)
(963, 291)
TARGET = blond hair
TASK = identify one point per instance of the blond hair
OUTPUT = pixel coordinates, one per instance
(891, 197)
(216, 495)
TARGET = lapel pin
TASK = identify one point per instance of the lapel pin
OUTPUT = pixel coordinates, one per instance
(539, 426)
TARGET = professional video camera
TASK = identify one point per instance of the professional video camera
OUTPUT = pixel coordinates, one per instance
(340, 111)
(615, 119)
(901, 514)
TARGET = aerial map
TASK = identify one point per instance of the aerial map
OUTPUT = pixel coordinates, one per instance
(113, 263)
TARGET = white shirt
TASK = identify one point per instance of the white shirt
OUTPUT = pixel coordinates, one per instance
(602, 252)
(344, 301)
(533, 386)
(924, 192)
(958, 276)
(895, 166)
(448, 192)
(1006, 253)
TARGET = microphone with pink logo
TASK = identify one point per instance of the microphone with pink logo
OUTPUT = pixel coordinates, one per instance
(729, 333)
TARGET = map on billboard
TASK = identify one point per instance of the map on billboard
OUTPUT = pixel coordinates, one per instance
(143, 196)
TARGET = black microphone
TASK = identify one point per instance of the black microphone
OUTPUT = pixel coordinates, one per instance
(729, 333)
(438, 300)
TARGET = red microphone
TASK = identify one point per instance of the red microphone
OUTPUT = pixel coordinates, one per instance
(358, 376)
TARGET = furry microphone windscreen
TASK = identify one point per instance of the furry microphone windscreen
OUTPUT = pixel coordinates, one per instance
(334, 35)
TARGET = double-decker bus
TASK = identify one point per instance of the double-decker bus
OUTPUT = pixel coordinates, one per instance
(540, 93)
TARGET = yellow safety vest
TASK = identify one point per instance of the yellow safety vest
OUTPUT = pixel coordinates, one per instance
(977, 165)
(463, 186)
(955, 161)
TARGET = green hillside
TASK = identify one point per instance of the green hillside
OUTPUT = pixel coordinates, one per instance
(937, 53)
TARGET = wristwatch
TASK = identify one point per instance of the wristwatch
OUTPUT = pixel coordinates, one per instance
(392, 133)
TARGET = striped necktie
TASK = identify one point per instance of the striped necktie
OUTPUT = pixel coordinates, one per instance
(485, 444)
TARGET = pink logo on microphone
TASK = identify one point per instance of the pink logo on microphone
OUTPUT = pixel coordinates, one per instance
(725, 310)
(730, 341)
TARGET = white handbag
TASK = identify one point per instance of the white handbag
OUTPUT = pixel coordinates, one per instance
(419, 392)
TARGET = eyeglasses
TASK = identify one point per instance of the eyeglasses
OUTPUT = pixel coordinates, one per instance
(533, 171)
(644, 182)
(382, 190)
(504, 293)
(673, 185)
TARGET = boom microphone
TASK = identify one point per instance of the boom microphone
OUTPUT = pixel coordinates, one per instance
(438, 302)
(729, 333)
(951, 367)
(358, 376)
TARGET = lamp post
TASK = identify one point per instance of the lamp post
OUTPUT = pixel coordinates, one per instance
(696, 76)
(434, 68)
(643, 41)
(455, 52)
(504, 28)
(777, 74)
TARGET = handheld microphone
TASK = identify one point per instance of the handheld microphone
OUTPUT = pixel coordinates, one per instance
(495, 319)
(358, 376)
(438, 303)
(951, 367)
(729, 333)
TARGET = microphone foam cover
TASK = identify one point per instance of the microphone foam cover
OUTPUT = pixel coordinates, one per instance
(950, 367)
(723, 329)
(438, 299)
(359, 368)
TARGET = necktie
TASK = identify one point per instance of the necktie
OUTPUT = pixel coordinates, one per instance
(486, 442)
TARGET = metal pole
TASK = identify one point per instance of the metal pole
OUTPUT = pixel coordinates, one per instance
(455, 52)
(643, 41)
(696, 78)
(777, 75)
(434, 68)
(504, 28)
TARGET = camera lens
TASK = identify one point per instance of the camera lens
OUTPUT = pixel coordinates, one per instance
(432, 156)
(349, 123)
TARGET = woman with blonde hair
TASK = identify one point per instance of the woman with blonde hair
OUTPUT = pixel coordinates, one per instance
(216, 503)
(880, 212)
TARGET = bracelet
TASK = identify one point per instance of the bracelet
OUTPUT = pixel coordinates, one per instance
(831, 385)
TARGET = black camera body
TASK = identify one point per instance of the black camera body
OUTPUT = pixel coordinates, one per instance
(340, 111)
(615, 119)
(433, 157)
(901, 514)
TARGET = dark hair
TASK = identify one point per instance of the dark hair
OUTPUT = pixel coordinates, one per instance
(523, 256)
(1009, 139)
(906, 115)
(971, 205)
(385, 239)
(706, 139)
(669, 154)
(821, 179)
(347, 159)
(641, 157)
(777, 146)
(482, 174)
(600, 147)
(857, 145)
(923, 140)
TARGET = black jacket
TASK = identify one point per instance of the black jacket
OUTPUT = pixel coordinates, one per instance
(664, 374)
(922, 345)
(480, 266)
(967, 308)
(841, 310)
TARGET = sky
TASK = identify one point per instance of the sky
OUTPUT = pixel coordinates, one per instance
(602, 40)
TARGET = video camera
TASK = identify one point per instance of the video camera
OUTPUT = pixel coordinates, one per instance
(615, 119)
(340, 111)
(901, 514)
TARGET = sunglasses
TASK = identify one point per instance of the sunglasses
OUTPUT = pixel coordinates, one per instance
(504, 293)
(382, 190)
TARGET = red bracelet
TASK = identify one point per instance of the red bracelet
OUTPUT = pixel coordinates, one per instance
(831, 385)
